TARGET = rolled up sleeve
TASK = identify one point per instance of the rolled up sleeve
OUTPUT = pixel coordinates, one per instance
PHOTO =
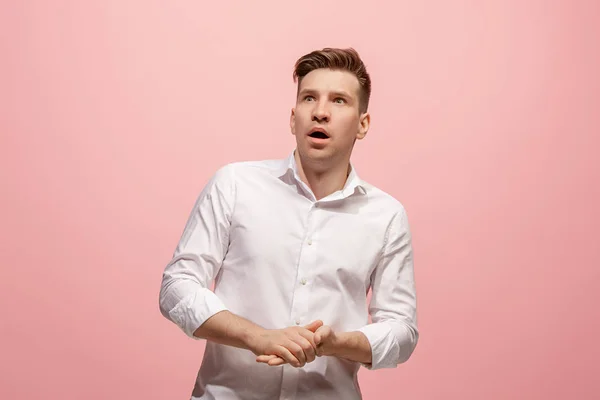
(393, 333)
(185, 297)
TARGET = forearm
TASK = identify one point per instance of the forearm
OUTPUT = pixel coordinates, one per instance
(353, 346)
(392, 342)
(229, 329)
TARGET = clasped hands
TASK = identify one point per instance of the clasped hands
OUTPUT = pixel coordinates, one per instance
(295, 345)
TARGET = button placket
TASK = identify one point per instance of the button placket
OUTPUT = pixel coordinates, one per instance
(305, 264)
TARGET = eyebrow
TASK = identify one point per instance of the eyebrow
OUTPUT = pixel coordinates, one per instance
(340, 93)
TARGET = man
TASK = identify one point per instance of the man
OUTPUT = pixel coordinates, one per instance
(293, 247)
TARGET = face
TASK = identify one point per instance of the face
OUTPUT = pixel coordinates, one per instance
(326, 120)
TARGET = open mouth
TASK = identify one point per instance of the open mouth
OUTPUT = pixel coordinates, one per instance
(318, 135)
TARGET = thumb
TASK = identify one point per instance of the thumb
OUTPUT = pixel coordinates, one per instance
(313, 326)
(317, 339)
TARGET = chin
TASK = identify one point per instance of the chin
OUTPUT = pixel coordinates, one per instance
(318, 155)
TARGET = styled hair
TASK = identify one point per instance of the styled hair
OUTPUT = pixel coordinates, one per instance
(336, 59)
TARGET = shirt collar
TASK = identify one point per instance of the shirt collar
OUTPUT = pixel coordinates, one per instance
(353, 183)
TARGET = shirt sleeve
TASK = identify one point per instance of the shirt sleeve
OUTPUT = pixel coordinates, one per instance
(393, 333)
(185, 296)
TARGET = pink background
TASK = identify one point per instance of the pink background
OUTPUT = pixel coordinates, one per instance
(485, 124)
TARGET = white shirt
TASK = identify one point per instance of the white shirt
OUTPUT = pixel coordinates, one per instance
(280, 258)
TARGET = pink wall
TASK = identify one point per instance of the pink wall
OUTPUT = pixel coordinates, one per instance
(113, 115)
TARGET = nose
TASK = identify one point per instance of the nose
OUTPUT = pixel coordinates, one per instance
(320, 112)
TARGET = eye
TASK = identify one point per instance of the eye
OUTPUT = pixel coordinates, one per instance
(339, 100)
(308, 98)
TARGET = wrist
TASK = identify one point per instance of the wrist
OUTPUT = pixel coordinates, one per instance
(341, 343)
(250, 336)
(353, 346)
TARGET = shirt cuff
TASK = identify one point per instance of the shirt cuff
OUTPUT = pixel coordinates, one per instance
(384, 348)
(194, 309)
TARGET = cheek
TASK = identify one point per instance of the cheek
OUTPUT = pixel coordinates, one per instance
(302, 119)
(302, 112)
(349, 123)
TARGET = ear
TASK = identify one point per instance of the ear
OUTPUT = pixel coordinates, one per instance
(293, 121)
(363, 125)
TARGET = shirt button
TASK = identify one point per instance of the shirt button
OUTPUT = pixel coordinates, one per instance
(309, 242)
(297, 322)
(303, 281)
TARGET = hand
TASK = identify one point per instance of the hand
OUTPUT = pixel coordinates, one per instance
(326, 342)
(294, 345)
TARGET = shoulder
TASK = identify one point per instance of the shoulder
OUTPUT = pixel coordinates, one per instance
(248, 168)
(390, 211)
(383, 200)
(231, 172)
(394, 216)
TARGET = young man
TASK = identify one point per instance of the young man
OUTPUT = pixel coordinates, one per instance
(293, 247)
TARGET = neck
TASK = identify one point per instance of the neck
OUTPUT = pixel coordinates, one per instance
(323, 180)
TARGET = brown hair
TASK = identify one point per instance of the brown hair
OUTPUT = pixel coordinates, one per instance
(336, 59)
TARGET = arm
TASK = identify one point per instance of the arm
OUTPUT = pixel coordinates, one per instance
(229, 329)
(294, 344)
(353, 346)
(185, 297)
(393, 335)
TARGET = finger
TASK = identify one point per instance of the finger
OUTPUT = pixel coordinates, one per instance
(313, 326)
(276, 361)
(307, 348)
(271, 360)
(308, 335)
(324, 330)
(318, 339)
(297, 351)
(287, 355)
(265, 358)
(322, 335)
(319, 350)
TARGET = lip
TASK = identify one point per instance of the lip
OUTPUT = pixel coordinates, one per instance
(318, 140)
